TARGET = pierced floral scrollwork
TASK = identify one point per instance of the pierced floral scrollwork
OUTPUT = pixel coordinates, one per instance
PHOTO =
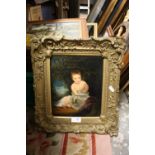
(111, 49)
(115, 44)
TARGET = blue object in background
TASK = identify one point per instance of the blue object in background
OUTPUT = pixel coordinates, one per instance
(48, 11)
(60, 88)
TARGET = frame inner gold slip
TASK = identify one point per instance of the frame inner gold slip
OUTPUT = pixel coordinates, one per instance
(76, 84)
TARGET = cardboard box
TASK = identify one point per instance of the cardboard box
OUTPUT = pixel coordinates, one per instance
(41, 12)
(35, 13)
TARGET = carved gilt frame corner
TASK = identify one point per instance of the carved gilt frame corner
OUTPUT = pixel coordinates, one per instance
(111, 50)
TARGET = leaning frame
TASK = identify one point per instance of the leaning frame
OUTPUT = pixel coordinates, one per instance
(111, 50)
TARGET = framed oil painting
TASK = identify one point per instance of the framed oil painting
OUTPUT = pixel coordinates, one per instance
(76, 84)
(70, 28)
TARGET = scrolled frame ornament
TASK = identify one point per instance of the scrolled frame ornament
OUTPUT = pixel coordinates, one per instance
(111, 50)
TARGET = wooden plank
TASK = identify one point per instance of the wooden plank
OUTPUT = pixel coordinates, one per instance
(124, 77)
(125, 62)
(95, 10)
(120, 17)
(106, 15)
(125, 86)
(118, 11)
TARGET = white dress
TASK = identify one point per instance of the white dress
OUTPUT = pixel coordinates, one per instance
(74, 101)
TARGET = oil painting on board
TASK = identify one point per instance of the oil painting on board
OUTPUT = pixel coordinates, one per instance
(76, 85)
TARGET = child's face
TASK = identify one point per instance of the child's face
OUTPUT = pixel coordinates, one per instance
(76, 78)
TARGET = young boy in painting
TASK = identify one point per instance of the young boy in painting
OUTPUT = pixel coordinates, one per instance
(79, 90)
(79, 86)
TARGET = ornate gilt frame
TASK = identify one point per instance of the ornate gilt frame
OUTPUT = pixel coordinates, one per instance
(111, 49)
